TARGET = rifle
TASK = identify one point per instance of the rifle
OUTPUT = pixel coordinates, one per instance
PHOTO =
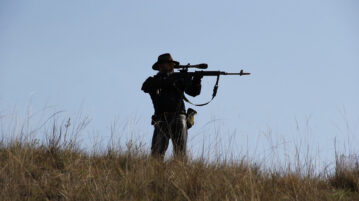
(184, 72)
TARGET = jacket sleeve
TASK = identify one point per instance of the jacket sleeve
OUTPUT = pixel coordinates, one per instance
(195, 88)
(151, 85)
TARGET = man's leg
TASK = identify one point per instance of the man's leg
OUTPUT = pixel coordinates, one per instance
(179, 136)
(159, 141)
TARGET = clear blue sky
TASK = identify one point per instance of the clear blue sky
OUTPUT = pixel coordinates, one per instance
(93, 56)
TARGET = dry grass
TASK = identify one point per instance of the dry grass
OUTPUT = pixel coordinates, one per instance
(58, 170)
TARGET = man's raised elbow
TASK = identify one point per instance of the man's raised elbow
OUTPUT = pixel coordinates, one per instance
(145, 88)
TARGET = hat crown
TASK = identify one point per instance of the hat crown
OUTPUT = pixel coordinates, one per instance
(164, 57)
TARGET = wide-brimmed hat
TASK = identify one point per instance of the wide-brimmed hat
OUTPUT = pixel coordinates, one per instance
(164, 58)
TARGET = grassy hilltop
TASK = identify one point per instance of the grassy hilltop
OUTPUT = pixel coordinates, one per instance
(57, 169)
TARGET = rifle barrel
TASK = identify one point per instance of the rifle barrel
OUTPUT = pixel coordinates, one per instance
(211, 73)
(232, 74)
(215, 73)
(241, 73)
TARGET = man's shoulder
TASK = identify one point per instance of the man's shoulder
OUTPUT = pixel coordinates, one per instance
(152, 78)
(156, 78)
(159, 75)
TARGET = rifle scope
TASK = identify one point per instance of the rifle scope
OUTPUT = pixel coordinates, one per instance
(200, 66)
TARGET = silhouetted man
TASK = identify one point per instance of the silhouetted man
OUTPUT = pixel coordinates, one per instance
(169, 120)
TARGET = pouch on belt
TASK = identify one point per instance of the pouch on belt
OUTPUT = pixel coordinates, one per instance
(190, 117)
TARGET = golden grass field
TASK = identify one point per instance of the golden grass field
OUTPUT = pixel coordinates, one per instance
(57, 169)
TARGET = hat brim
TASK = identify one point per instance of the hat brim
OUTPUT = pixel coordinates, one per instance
(155, 66)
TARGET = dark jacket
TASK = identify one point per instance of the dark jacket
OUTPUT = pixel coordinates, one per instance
(167, 92)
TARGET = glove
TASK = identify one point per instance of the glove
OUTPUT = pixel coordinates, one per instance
(198, 76)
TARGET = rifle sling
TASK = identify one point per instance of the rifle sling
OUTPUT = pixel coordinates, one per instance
(215, 88)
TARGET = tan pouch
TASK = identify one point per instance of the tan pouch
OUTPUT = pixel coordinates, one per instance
(190, 117)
